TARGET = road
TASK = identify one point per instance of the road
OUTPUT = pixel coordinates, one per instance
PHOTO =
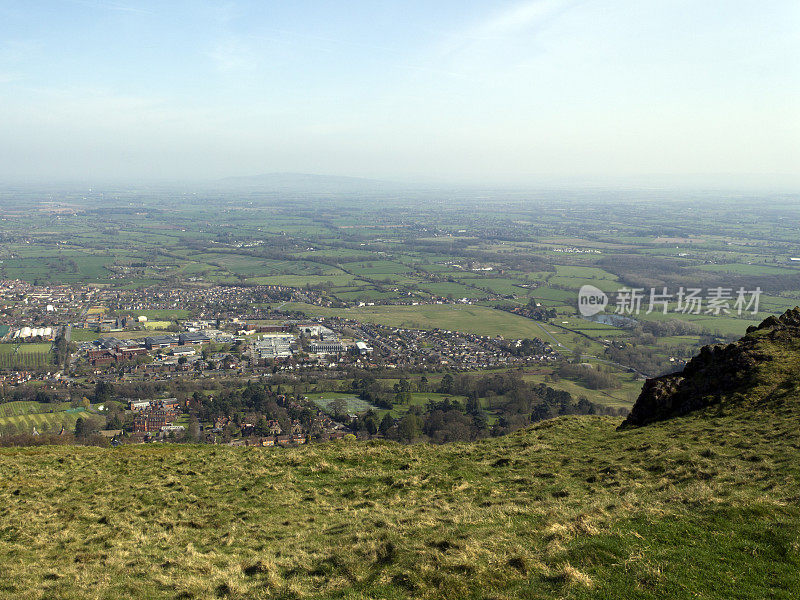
(550, 335)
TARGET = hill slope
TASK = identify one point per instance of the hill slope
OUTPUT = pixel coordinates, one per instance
(702, 506)
(762, 368)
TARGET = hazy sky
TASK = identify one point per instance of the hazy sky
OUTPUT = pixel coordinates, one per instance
(461, 90)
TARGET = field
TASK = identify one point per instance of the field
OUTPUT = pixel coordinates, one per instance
(703, 506)
(498, 249)
(31, 356)
(479, 320)
(83, 335)
(23, 416)
(353, 404)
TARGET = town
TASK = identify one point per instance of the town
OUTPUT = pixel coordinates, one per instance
(81, 341)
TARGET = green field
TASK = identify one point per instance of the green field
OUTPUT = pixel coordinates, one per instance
(479, 320)
(19, 407)
(15, 348)
(354, 404)
(623, 397)
(25, 356)
(749, 269)
(301, 281)
(83, 335)
(23, 416)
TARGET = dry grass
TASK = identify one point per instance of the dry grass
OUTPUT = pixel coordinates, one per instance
(579, 510)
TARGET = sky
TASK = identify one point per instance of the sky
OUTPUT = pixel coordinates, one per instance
(461, 91)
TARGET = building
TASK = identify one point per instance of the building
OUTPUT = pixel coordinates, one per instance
(328, 347)
(153, 420)
(161, 341)
(274, 346)
(184, 351)
(193, 337)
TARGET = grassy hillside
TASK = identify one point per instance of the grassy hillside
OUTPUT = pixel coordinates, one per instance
(701, 506)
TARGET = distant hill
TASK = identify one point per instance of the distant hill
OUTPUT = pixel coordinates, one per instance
(761, 368)
(310, 183)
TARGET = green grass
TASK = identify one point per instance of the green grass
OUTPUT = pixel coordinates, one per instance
(455, 290)
(23, 416)
(703, 507)
(749, 269)
(19, 407)
(15, 355)
(83, 335)
(479, 320)
(303, 280)
(354, 404)
(15, 348)
(622, 397)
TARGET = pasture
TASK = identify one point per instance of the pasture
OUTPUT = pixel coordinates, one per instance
(479, 320)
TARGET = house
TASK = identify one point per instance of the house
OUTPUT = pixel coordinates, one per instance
(138, 405)
(168, 403)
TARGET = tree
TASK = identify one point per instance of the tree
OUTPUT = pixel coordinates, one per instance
(473, 405)
(193, 432)
(103, 391)
(82, 428)
(371, 423)
(410, 427)
(386, 423)
(114, 421)
(339, 407)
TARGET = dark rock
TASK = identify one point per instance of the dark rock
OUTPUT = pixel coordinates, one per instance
(714, 374)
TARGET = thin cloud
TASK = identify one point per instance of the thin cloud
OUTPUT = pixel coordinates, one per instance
(232, 56)
(504, 25)
(114, 6)
(521, 17)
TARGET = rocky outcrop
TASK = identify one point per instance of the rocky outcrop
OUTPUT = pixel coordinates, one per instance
(717, 374)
